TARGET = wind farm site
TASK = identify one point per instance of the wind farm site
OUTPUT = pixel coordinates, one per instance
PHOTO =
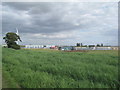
(60, 45)
(51, 66)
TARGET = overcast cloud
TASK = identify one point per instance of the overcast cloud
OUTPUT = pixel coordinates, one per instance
(62, 23)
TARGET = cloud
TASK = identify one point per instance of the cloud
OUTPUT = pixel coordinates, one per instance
(73, 22)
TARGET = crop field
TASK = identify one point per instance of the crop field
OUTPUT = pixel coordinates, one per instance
(59, 69)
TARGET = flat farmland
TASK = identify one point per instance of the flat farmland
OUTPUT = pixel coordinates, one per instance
(59, 69)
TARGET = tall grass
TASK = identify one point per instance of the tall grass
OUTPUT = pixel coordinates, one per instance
(57, 69)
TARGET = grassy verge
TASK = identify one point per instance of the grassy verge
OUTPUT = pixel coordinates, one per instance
(8, 81)
(57, 69)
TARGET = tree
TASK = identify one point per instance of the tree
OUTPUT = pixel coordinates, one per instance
(10, 40)
(78, 44)
(101, 44)
(98, 45)
(81, 44)
(91, 46)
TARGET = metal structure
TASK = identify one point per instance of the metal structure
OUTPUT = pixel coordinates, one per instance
(17, 33)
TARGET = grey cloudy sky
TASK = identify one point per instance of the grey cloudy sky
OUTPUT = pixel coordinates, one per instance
(62, 23)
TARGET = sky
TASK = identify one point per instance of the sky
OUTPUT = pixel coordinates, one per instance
(62, 23)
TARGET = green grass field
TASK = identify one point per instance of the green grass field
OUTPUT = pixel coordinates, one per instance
(58, 69)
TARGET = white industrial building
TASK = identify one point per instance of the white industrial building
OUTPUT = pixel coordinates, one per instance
(39, 46)
(94, 48)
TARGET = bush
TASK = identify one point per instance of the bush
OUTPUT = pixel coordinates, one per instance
(15, 46)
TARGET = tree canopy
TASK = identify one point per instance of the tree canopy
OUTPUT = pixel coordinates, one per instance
(10, 40)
